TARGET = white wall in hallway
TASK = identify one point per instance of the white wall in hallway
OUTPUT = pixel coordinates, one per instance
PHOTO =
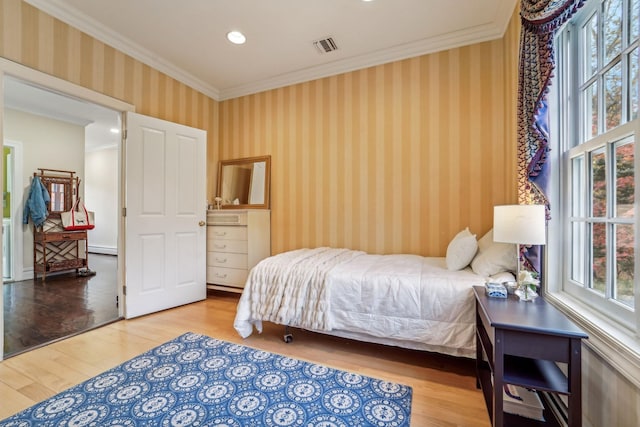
(101, 196)
(50, 144)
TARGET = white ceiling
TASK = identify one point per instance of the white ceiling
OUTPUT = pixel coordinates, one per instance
(186, 39)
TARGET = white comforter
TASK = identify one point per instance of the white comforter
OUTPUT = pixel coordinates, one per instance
(404, 300)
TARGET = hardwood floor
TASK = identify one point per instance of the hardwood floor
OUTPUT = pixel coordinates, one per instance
(37, 312)
(444, 388)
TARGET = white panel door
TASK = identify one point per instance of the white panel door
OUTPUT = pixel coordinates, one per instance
(165, 240)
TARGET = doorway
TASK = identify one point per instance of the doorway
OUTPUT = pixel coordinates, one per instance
(174, 153)
(12, 254)
(67, 304)
(44, 129)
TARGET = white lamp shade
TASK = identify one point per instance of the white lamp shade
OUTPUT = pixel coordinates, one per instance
(522, 224)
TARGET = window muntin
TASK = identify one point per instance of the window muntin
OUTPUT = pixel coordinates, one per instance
(634, 12)
(600, 162)
(625, 253)
(602, 221)
(624, 200)
(590, 114)
(578, 256)
(612, 29)
(578, 230)
(613, 96)
(624, 179)
(598, 257)
(608, 66)
(634, 83)
(590, 47)
(578, 196)
(598, 183)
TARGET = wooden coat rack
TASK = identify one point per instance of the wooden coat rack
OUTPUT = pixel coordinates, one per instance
(55, 249)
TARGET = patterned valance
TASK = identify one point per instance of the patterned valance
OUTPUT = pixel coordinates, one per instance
(546, 16)
(540, 21)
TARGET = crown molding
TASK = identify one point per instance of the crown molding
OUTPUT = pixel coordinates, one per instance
(95, 29)
(422, 47)
(473, 35)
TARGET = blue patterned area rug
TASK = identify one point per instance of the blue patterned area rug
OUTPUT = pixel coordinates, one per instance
(195, 380)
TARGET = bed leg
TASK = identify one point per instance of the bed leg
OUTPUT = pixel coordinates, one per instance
(288, 336)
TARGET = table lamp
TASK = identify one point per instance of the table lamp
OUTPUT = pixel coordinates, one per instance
(519, 224)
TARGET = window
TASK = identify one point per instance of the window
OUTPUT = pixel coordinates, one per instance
(599, 93)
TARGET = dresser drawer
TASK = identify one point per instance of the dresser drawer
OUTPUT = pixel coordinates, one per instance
(228, 246)
(223, 259)
(237, 239)
(227, 276)
(60, 236)
(227, 232)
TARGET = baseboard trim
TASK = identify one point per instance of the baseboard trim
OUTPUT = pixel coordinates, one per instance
(27, 274)
(105, 250)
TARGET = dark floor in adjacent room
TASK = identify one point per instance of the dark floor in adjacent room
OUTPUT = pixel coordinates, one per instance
(37, 312)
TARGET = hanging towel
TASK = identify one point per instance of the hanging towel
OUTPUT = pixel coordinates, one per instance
(36, 204)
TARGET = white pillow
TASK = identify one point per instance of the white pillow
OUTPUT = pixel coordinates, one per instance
(461, 250)
(493, 258)
(486, 241)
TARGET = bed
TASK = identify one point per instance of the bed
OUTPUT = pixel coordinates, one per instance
(403, 300)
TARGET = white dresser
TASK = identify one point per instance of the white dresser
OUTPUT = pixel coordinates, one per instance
(236, 241)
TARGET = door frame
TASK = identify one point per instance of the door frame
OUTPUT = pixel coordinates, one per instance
(64, 87)
(17, 194)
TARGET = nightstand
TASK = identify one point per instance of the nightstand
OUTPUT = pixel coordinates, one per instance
(521, 343)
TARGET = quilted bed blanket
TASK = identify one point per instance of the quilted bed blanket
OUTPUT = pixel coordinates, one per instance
(289, 289)
(405, 300)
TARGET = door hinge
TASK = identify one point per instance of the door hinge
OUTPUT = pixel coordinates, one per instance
(124, 135)
(124, 290)
(117, 301)
(124, 211)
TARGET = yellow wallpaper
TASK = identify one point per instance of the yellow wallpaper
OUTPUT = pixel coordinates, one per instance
(390, 159)
(37, 40)
(393, 158)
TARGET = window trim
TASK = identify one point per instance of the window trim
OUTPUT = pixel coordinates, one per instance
(617, 344)
(612, 309)
(619, 347)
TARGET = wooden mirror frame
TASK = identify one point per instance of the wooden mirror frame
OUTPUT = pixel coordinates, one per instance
(245, 163)
(51, 177)
(67, 193)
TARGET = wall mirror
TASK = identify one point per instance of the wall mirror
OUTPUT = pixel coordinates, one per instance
(61, 186)
(244, 183)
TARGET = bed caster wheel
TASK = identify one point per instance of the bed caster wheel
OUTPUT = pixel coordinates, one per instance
(288, 338)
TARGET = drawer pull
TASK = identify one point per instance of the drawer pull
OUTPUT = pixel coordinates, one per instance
(218, 246)
(221, 233)
(222, 276)
(221, 260)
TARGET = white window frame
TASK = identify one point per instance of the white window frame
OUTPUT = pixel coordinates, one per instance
(614, 330)
(607, 305)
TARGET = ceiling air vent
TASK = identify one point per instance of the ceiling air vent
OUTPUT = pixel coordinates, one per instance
(325, 45)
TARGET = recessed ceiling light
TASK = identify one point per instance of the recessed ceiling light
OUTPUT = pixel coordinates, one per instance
(236, 37)
(114, 130)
